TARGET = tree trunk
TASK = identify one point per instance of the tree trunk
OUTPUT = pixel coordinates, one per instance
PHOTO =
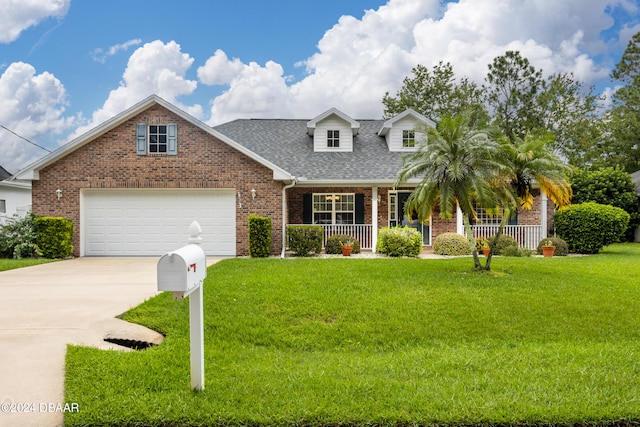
(472, 242)
(503, 222)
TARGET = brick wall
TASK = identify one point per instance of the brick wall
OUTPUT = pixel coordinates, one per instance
(110, 161)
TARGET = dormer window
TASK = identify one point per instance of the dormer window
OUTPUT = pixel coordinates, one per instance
(333, 131)
(400, 131)
(333, 138)
(408, 139)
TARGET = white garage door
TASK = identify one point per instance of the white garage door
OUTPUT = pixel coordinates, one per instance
(153, 222)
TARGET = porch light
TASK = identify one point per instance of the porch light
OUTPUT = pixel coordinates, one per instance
(59, 193)
(253, 193)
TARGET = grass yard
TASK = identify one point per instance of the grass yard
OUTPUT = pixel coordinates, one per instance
(10, 264)
(383, 342)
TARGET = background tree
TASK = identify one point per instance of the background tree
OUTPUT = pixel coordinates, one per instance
(623, 147)
(435, 93)
(512, 88)
(569, 112)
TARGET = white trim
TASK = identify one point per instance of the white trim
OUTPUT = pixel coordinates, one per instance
(544, 222)
(374, 218)
(312, 124)
(386, 126)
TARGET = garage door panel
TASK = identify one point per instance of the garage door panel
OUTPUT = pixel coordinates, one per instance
(153, 222)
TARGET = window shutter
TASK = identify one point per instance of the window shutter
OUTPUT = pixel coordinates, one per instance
(141, 139)
(172, 139)
(513, 220)
(307, 208)
(359, 208)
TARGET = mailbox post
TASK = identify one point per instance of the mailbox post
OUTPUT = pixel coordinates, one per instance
(183, 272)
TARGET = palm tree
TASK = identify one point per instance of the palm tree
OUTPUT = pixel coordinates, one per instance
(528, 161)
(456, 166)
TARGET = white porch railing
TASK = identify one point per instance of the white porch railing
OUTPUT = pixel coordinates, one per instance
(527, 236)
(362, 232)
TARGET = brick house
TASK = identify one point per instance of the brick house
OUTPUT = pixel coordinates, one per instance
(134, 184)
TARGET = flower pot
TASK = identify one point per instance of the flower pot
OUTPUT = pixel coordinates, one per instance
(548, 251)
(486, 251)
(346, 250)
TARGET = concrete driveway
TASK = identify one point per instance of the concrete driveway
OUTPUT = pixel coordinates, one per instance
(44, 308)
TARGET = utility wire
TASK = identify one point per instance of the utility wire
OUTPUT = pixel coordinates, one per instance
(22, 137)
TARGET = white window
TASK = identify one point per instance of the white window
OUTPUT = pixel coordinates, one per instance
(329, 208)
(492, 217)
(3, 206)
(333, 138)
(408, 139)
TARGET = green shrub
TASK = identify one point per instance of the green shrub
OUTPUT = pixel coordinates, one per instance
(451, 244)
(498, 246)
(562, 249)
(54, 236)
(334, 244)
(399, 241)
(588, 227)
(516, 251)
(18, 238)
(259, 236)
(305, 240)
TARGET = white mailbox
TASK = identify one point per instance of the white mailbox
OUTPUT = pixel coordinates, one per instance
(183, 270)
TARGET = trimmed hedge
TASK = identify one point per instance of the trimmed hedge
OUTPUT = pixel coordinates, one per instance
(334, 244)
(399, 241)
(588, 227)
(259, 236)
(451, 244)
(54, 236)
(305, 240)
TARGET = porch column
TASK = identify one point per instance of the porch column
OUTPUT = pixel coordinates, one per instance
(459, 223)
(543, 215)
(374, 218)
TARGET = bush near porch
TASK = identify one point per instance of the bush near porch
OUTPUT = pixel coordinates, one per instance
(540, 341)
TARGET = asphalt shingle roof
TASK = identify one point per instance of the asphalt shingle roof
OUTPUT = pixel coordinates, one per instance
(287, 144)
(4, 174)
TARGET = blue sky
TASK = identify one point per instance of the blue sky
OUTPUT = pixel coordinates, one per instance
(66, 66)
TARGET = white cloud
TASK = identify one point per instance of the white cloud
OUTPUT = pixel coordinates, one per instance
(18, 15)
(154, 68)
(100, 55)
(32, 106)
(358, 60)
(218, 70)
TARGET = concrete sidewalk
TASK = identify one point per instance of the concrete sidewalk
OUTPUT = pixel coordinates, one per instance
(44, 308)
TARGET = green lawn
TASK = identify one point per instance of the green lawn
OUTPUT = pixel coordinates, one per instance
(384, 342)
(10, 264)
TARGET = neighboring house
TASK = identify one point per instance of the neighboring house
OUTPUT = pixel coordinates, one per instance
(15, 198)
(133, 185)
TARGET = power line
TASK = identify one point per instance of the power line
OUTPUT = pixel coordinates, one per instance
(22, 137)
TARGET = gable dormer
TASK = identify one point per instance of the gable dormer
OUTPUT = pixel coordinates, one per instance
(333, 131)
(401, 131)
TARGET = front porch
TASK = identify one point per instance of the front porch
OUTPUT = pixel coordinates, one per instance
(527, 236)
